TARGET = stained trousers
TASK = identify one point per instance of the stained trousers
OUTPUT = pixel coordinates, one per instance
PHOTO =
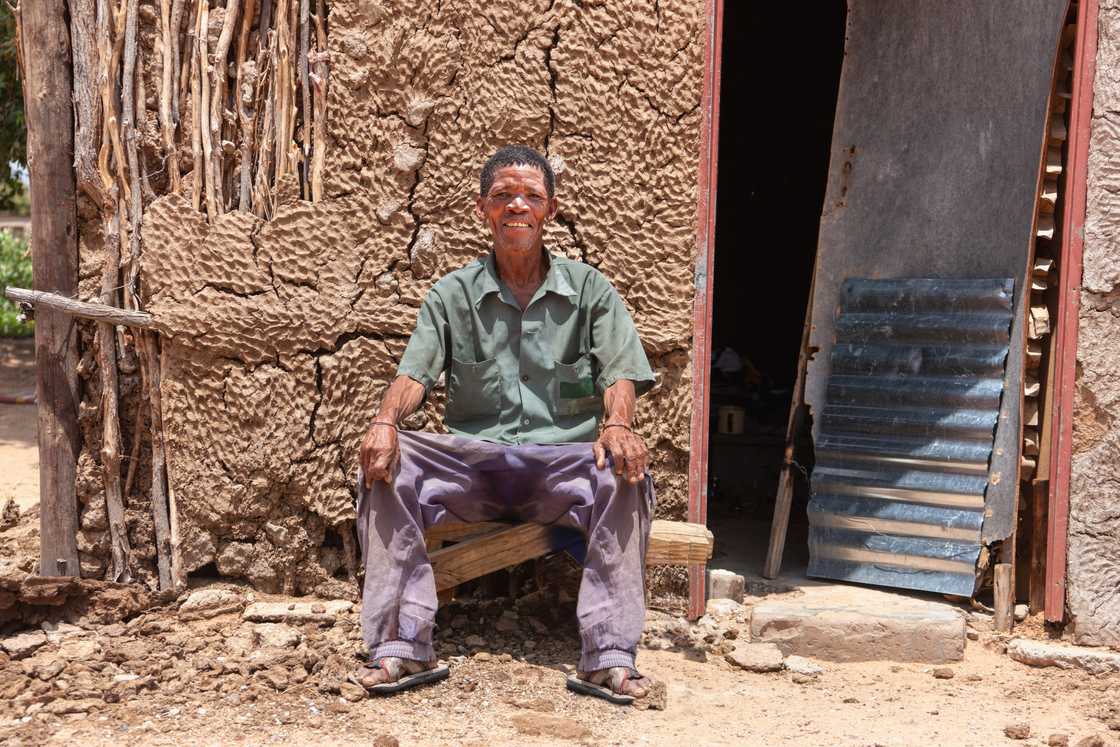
(444, 478)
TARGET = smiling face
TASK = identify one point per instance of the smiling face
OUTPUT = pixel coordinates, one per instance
(515, 208)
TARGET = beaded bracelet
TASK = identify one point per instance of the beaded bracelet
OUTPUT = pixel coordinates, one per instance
(615, 425)
(391, 425)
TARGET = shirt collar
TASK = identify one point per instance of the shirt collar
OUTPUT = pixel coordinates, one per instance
(554, 281)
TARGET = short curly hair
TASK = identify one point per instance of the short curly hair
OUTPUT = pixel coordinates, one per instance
(516, 155)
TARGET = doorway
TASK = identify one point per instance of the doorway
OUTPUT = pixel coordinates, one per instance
(780, 76)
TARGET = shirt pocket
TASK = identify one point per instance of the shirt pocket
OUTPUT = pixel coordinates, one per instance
(474, 390)
(575, 388)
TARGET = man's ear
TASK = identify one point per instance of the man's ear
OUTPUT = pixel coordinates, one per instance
(553, 207)
(479, 212)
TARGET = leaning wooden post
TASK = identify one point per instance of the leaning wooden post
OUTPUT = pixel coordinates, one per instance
(49, 113)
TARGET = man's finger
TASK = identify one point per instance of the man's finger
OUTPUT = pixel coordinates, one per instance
(600, 454)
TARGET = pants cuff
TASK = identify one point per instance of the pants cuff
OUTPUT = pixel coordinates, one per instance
(404, 650)
(612, 657)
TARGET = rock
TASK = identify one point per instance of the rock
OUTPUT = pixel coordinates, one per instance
(719, 608)
(756, 657)
(351, 692)
(78, 649)
(23, 644)
(206, 603)
(972, 635)
(385, 740)
(482, 656)
(656, 699)
(57, 631)
(537, 725)
(276, 635)
(49, 591)
(802, 679)
(944, 673)
(297, 612)
(474, 641)
(60, 707)
(506, 625)
(726, 585)
(1021, 611)
(803, 666)
(1048, 654)
(1095, 740)
(48, 671)
(276, 677)
(1058, 740)
(540, 705)
(459, 622)
(1017, 731)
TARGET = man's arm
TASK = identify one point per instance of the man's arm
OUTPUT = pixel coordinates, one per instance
(631, 457)
(380, 448)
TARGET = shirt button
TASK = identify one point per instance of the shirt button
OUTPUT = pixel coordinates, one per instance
(525, 421)
(524, 377)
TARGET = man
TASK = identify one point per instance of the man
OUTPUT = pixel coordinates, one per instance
(540, 355)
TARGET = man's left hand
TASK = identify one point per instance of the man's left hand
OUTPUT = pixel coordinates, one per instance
(628, 450)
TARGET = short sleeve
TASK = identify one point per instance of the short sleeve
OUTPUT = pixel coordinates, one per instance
(425, 358)
(615, 344)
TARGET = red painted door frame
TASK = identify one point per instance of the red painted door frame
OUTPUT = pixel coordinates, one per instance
(1069, 304)
(702, 304)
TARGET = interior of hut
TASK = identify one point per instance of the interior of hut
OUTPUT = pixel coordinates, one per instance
(780, 77)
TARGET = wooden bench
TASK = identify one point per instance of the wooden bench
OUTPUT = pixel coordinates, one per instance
(487, 547)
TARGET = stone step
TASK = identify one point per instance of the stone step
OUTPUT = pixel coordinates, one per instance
(846, 623)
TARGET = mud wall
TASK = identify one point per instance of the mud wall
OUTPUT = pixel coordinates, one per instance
(1094, 526)
(281, 335)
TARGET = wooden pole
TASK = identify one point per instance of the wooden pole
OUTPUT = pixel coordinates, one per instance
(160, 513)
(97, 312)
(1004, 597)
(49, 113)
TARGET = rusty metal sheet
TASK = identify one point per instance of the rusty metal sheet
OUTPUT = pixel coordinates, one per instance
(906, 432)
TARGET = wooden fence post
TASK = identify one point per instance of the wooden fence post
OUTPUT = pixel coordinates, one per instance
(49, 113)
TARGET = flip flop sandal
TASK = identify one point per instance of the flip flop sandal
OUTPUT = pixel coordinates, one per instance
(436, 673)
(604, 691)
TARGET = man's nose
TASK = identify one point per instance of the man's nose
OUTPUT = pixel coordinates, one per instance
(518, 203)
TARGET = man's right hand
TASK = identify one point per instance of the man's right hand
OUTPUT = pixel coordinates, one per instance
(379, 453)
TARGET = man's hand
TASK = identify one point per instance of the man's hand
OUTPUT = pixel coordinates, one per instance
(379, 453)
(631, 457)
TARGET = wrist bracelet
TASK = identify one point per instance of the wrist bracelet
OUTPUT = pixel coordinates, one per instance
(615, 425)
(391, 425)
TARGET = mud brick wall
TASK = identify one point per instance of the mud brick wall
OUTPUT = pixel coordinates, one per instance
(1094, 528)
(282, 335)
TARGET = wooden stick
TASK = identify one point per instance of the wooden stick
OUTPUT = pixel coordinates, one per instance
(181, 72)
(97, 312)
(203, 106)
(281, 90)
(119, 34)
(134, 454)
(128, 124)
(321, 80)
(198, 182)
(141, 119)
(218, 101)
(160, 517)
(111, 436)
(166, 121)
(178, 573)
(262, 194)
(87, 104)
(110, 134)
(1004, 598)
(244, 116)
(43, 49)
(305, 88)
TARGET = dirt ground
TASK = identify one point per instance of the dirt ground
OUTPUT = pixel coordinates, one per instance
(19, 457)
(157, 676)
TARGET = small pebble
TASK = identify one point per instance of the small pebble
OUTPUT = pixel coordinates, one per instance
(944, 673)
(1017, 731)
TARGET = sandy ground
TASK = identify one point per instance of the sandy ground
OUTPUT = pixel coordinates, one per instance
(159, 679)
(19, 455)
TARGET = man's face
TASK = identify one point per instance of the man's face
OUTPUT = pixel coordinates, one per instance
(516, 208)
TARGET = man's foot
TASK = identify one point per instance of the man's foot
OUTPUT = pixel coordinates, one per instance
(391, 674)
(619, 685)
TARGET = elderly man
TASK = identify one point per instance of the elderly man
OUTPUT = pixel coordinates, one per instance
(543, 368)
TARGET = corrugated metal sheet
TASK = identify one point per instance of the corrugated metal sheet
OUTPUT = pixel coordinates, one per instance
(905, 438)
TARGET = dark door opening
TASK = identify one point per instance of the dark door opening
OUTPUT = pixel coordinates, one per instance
(780, 76)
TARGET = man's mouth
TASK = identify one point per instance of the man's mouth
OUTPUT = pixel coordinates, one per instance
(516, 224)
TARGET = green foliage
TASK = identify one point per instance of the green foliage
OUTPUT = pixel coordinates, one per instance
(15, 270)
(13, 134)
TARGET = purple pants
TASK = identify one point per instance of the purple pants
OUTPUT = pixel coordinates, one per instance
(453, 479)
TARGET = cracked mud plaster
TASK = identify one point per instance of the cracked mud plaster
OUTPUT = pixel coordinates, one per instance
(1093, 585)
(280, 336)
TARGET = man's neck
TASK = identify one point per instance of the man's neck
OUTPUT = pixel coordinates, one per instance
(521, 270)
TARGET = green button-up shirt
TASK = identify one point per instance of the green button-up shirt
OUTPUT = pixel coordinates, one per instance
(532, 376)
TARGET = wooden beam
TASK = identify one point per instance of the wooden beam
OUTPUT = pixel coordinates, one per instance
(670, 543)
(49, 114)
(62, 303)
(1004, 598)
